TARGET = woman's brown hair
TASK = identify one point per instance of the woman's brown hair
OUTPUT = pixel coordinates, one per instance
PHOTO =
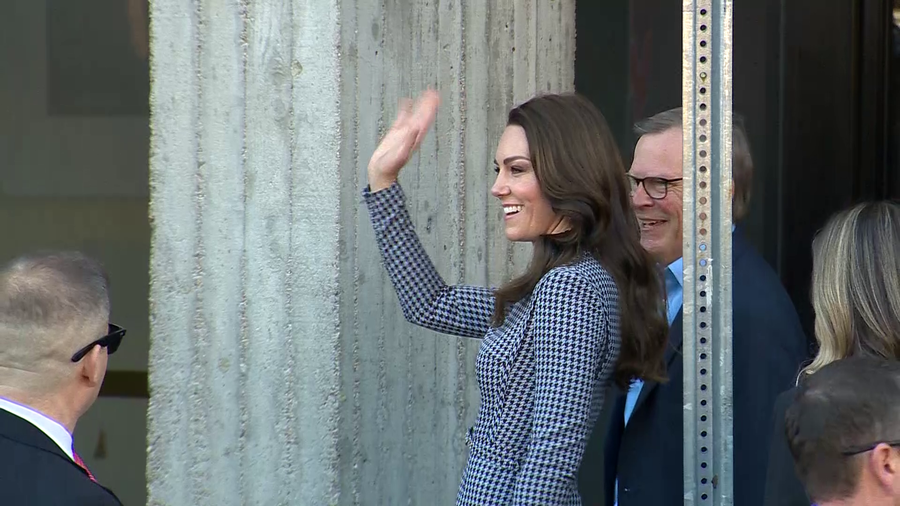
(580, 172)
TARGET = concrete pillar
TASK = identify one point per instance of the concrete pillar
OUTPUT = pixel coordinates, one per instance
(281, 369)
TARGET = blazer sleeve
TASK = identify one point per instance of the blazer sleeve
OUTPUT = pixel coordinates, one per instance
(569, 332)
(783, 487)
(424, 297)
(768, 353)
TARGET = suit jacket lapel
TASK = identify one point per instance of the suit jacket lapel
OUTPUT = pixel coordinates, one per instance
(676, 331)
(676, 336)
(673, 351)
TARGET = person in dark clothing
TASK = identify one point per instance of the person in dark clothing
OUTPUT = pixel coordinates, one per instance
(55, 342)
(635, 455)
(856, 298)
(843, 429)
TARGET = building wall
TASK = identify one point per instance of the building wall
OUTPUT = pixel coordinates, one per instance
(281, 370)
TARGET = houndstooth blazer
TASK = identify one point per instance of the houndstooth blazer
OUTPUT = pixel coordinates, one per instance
(542, 373)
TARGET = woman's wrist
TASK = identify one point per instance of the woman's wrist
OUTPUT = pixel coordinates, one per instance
(378, 182)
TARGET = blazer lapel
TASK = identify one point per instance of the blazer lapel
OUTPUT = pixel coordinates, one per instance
(673, 351)
(676, 330)
(676, 337)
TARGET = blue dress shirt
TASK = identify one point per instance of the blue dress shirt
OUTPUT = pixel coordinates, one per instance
(674, 298)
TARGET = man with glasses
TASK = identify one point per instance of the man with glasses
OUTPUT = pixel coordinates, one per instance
(55, 338)
(843, 429)
(637, 445)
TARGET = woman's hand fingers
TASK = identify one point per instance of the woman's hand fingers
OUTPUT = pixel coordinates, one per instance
(401, 141)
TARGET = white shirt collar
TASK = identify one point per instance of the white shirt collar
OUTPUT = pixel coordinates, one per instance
(53, 429)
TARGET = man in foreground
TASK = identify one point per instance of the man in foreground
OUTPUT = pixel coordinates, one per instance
(843, 430)
(637, 445)
(55, 338)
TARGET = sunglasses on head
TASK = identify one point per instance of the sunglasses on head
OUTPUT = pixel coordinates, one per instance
(110, 341)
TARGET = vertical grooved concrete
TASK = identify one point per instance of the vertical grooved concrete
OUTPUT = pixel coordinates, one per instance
(282, 371)
(174, 164)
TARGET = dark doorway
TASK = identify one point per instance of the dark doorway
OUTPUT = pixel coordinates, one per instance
(817, 85)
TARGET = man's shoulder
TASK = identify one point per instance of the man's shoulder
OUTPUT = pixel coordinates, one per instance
(22, 435)
(761, 306)
(26, 470)
(753, 277)
(23, 457)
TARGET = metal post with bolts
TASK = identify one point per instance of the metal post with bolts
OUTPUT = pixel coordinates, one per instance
(707, 349)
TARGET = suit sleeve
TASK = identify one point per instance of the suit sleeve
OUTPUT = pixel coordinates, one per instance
(769, 348)
(424, 297)
(783, 487)
(569, 332)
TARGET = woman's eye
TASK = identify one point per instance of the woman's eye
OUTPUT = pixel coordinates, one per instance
(516, 170)
(496, 170)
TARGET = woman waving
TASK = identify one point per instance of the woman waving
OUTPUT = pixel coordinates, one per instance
(588, 310)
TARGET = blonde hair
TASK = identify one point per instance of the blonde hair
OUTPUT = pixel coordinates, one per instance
(856, 285)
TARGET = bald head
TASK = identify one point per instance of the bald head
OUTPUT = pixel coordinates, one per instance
(51, 305)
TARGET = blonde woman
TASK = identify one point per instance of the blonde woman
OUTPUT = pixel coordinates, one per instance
(856, 298)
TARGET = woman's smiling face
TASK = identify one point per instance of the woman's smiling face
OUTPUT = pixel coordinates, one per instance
(527, 213)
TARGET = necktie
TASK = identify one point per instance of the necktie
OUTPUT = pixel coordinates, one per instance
(80, 464)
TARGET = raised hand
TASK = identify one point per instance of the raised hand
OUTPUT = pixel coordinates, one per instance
(402, 140)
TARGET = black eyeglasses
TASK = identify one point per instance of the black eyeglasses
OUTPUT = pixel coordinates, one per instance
(656, 187)
(110, 341)
(856, 450)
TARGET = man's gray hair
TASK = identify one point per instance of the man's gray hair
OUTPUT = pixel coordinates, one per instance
(742, 162)
(49, 304)
(659, 123)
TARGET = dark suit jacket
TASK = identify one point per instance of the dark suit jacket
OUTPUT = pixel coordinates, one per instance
(34, 471)
(647, 456)
(783, 487)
